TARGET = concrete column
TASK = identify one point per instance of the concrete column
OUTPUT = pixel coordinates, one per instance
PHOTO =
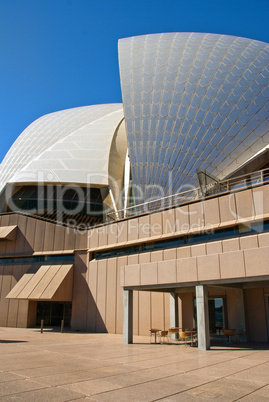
(202, 317)
(173, 310)
(241, 321)
(127, 316)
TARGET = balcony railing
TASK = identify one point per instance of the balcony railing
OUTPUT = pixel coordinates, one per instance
(221, 187)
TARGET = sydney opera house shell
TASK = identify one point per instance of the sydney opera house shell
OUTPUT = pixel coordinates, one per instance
(161, 201)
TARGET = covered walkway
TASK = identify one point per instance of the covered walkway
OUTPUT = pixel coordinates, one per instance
(200, 313)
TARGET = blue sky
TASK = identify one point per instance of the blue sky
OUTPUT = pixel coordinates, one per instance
(59, 54)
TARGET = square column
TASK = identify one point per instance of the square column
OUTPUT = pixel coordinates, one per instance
(127, 316)
(202, 317)
(173, 312)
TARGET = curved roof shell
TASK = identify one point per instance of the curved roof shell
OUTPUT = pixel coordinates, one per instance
(71, 146)
(192, 101)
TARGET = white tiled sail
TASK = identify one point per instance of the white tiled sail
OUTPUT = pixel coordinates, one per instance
(65, 146)
(192, 101)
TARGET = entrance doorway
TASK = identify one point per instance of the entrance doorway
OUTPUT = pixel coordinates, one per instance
(53, 313)
(217, 314)
(216, 310)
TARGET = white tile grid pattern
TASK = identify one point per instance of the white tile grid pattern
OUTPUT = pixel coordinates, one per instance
(193, 101)
(51, 132)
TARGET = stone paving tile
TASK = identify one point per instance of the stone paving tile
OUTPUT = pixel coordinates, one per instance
(187, 363)
(187, 381)
(114, 381)
(257, 374)
(45, 395)
(12, 348)
(70, 366)
(228, 368)
(51, 369)
(261, 394)
(257, 355)
(80, 376)
(25, 361)
(69, 377)
(93, 387)
(18, 386)
(144, 361)
(115, 370)
(6, 376)
(157, 362)
(222, 390)
(190, 365)
(152, 390)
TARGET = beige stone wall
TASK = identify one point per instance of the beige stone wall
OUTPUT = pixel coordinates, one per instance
(256, 322)
(34, 235)
(105, 299)
(233, 259)
(13, 313)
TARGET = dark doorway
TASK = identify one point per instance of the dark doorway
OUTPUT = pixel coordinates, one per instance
(53, 313)
(217, 314)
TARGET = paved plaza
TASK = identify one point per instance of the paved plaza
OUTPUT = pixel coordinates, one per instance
(98, 367)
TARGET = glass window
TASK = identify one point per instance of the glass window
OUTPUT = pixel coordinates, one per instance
(59, 258)
(5, 261)
(187, 239)
(25, 260)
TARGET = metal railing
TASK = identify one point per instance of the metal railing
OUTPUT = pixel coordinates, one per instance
(226, 186)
